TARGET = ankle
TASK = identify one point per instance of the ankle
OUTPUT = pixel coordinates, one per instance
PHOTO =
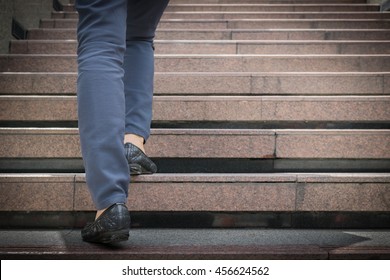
(136, 140)
(99, 212)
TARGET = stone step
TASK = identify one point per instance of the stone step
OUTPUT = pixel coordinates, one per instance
(247, 23)
(233, 34)
(218, 108)
(276, 24)
(231, 14)
(68, 7)
(171, 2)
(219, 47)
(270, 6)
(253, 15)
(215, 83)
(206, 192)
(273, 7)
(201, 244)
(71, 2)
(258, 15)
(214, 63)
(220, 143)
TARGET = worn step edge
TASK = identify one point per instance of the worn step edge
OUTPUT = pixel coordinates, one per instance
(170, 252)
(308, 252)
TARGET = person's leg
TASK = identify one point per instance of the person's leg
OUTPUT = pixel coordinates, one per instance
(100, 92)
(143, 17)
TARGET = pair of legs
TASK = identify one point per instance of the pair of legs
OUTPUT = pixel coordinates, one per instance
(114, 89)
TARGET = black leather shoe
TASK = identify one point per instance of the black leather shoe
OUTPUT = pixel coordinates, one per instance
(139, 163)
(111, 226)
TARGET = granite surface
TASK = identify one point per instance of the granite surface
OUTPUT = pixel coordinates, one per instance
(201, 244)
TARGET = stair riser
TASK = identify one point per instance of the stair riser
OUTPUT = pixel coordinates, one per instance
(247, 24)
(311, 35)
(211, 84)
(68, 63)
(208, 165)
(258, 15)
(253, 15)
(331, 24)
(272, 8)
(283, 7)
(261, 47)
(175, 2)
(149, 220)
(70, 34)
(187, 2)
(234, 109)
(285, 193)
(340, 144)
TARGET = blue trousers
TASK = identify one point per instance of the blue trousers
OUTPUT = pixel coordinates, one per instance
(114, 88)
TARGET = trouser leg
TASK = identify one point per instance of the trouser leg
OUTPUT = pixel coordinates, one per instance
(143, 17)
(100, 92)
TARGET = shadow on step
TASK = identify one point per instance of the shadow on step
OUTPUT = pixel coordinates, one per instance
(200, 244)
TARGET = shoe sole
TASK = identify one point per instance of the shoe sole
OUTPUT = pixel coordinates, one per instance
(136, 169)
(110, 237)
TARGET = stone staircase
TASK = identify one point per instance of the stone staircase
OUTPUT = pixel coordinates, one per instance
(278, 111)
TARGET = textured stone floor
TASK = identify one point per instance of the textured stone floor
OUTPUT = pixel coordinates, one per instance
(201, 244)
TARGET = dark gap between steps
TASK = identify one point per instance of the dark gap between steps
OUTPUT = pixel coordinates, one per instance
(207, 165)
(218, 124)
(275, 220)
